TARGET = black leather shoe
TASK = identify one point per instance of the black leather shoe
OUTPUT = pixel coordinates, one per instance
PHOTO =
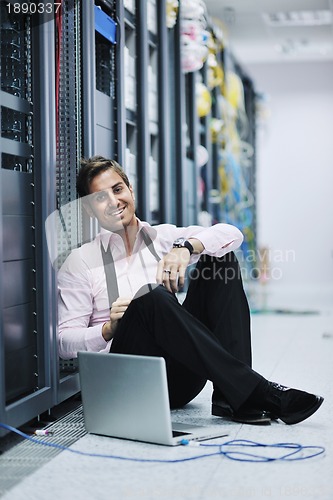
(243, 415)
(290, 405)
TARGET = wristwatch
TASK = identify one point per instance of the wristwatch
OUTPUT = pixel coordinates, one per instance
(183, 243)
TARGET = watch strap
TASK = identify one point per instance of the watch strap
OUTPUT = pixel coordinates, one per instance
(184, 244)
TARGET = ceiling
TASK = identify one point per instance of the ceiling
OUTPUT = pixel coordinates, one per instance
(252, 40)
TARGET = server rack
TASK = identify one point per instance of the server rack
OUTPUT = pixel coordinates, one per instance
(153, 96)
(193, 138)
(205, 140)
(143, 118)
(103, 72)
(178, 125)
(238, 167)
(69, 146)
(27, 160)
(165, 135)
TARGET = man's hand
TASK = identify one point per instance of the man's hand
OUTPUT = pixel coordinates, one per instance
(117, 311)
(171, 269)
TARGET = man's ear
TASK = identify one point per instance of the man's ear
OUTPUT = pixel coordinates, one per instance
(132, 191)
(87, 207)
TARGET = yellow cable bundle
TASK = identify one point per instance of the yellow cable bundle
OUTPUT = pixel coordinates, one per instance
(224, 181)
(234, 91)
(203, 99)
(215, 74)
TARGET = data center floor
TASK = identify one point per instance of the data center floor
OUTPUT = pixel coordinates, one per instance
(294, 346)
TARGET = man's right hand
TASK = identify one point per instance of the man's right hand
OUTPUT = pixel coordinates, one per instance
(117, 311)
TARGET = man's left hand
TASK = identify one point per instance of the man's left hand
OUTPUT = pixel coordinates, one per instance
(171, 269)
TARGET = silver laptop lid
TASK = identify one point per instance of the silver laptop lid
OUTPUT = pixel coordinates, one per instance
(125, 396)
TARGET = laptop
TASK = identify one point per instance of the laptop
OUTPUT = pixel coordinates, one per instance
(126, 396)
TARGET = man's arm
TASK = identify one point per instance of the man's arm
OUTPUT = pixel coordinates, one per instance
(79, 326)
(216, 241)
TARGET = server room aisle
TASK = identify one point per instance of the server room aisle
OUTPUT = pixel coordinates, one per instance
(295, 349)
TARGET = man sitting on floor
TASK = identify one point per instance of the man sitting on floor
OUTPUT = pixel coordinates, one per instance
(117, 293)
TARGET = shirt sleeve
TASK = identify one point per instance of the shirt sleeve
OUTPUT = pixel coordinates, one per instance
(220, 239)
(217, 240)
(75, 304)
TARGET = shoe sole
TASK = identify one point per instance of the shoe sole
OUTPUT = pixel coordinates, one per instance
(252, 421)
(300, 416)
(217, 411)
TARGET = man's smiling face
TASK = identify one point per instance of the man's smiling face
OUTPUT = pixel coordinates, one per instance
(111, 201)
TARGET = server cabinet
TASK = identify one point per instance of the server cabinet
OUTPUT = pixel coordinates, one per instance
(69, 147)
(147, 113)
(178, 124)
(206, 170)
(137, 104)
(27, 126)
(193, 138)
(105, 78)
(86, 112)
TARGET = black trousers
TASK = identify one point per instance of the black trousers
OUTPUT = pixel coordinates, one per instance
(208, 337)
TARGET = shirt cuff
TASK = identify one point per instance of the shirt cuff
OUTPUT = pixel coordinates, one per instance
(220, 244)
(95, 340)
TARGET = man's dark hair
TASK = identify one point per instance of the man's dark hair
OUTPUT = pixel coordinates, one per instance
(91, 167)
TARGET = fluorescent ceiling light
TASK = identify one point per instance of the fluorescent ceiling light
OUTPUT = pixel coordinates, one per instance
(294, 47)
(298, 18)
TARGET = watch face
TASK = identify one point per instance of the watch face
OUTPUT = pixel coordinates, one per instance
(179, 242)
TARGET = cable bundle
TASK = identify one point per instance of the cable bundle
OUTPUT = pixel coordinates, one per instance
(194, 37)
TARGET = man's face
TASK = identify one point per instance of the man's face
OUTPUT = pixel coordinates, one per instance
(111, 201)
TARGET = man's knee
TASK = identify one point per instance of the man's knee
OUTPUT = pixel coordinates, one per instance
(153, 292)
(146, 289)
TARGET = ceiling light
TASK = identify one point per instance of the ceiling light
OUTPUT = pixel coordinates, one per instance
(303, 46)
(298, 18)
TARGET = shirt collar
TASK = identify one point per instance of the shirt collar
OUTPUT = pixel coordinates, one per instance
(106, 236)
(150, 230)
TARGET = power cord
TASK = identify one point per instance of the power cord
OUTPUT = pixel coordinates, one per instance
(230, 449)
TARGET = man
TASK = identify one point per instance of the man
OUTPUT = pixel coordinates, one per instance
(117, 293)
